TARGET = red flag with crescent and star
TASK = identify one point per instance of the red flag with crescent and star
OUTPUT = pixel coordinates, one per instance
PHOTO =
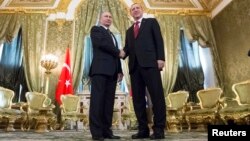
(65, 85)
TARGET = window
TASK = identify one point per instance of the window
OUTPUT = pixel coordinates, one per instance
(195, 71)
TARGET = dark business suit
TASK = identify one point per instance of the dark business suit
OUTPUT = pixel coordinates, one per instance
(143, 52)
(103, 72)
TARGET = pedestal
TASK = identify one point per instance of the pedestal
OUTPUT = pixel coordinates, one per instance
(42, 123)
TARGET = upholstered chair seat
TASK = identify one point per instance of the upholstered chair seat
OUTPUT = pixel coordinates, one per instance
(240, 109)
(202, 111)
(12, 112)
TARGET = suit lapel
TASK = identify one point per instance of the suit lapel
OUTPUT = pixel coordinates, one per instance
(116, 43)
(110, 36)
(143, 21)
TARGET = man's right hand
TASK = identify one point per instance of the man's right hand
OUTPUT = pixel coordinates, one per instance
(122, 54)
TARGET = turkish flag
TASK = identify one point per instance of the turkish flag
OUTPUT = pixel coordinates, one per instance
(64, 85)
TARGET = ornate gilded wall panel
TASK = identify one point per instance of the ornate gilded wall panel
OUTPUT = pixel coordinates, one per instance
(232, 33)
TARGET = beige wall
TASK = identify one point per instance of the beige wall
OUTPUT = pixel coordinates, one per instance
(232, 33)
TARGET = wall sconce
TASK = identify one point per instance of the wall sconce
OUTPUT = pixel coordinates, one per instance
(48, 62)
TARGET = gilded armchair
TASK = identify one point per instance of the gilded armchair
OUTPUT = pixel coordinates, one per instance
(128, 114)
(209, 102)
(116, 115)
(40, 112)
(71, 110)
(176, 108)
(240, 113)
(7, 113)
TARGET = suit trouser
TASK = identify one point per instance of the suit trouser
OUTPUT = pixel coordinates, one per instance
(102, 104)
(150, 78)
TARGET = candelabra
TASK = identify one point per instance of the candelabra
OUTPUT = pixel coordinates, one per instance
(48, 62)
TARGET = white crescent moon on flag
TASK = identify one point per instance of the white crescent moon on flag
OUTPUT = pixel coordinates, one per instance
(67, 66)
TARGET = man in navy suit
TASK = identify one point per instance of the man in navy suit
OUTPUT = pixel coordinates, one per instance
(144, 46)
(105, 71)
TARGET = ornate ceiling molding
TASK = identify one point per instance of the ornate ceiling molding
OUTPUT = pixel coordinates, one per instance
(64, 8)
(31, 3)
(169, 4)
(173, 7)
(210, 4)
(35, 6)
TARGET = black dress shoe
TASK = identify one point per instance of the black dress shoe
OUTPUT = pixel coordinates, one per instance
(140, 135)
(112, 137)
(157, 136)
(97, 138)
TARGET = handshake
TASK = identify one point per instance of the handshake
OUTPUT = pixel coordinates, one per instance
(122, 54)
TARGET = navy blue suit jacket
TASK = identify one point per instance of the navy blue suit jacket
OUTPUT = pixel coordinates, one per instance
(106, 59)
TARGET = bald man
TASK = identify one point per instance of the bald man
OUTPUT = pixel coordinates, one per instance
(145, 49)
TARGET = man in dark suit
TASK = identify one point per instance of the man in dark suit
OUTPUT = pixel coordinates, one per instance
(144, 46)
(105, 71)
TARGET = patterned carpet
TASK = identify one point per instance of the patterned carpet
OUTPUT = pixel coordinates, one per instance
(73, 135)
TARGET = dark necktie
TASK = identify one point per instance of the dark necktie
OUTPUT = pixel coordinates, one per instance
(112, 35)
(109, 31)
(136, 28)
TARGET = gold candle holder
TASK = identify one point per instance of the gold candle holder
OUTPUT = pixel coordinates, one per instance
(48, 62)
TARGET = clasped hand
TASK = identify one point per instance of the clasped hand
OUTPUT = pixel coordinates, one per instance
(122, 54)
